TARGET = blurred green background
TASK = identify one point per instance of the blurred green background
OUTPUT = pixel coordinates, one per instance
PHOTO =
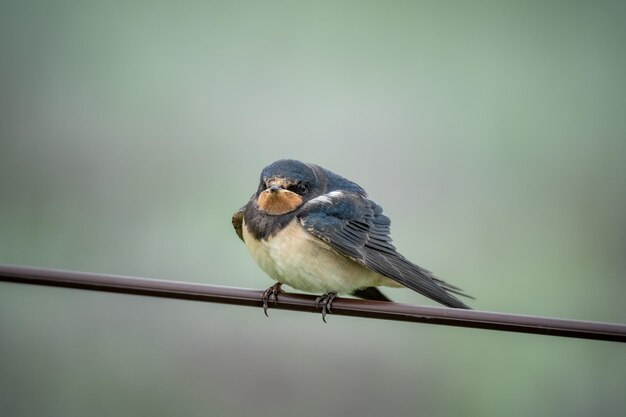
(493, 134)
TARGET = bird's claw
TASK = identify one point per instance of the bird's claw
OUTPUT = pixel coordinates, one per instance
(326, 302)
(267, 295)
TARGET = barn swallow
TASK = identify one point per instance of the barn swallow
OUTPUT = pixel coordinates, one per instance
(318, 232)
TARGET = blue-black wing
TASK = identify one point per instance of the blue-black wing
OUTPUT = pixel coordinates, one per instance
(357, 228)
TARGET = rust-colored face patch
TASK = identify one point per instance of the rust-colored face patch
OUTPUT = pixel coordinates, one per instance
(278, 202)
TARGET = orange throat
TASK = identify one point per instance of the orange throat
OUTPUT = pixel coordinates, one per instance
(278, 202)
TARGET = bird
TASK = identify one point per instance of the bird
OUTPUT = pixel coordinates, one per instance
(318, 232)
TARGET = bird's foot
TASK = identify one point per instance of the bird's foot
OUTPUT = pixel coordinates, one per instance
(268, 294)
(326, 302)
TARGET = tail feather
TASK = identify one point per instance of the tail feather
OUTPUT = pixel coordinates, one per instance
(418, 279)
(370, 293)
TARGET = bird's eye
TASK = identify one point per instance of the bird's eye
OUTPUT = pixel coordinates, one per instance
(299, 188)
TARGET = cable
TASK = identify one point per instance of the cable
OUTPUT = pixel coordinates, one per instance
(302, 302)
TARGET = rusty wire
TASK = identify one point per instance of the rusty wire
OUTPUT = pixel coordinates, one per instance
(302, 302)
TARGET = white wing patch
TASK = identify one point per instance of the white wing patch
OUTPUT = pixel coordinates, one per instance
(323, 199)
(326, 198)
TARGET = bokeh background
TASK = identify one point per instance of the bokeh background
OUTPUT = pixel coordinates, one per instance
(493, 134)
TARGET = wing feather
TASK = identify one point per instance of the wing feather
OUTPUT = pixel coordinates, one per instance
(238, 222)
(357, 228)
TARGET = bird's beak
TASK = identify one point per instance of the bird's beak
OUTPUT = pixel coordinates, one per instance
(275, 188)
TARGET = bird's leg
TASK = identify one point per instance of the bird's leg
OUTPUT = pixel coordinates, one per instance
(267, 295)
(326, 301)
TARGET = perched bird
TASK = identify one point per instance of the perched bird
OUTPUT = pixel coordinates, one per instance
(318, 232)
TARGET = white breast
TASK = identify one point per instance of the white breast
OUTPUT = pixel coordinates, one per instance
(300, 260)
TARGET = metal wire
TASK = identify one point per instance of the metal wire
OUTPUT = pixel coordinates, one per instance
(302, 302)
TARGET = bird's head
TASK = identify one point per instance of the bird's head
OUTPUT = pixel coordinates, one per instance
(285, 185)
